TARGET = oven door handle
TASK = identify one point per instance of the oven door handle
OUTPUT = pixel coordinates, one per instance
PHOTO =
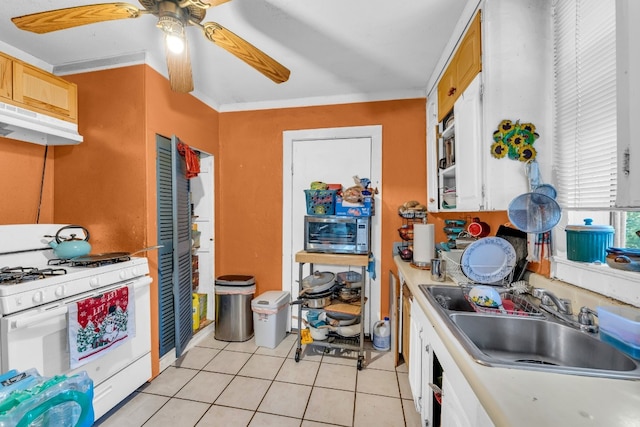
(38, 318)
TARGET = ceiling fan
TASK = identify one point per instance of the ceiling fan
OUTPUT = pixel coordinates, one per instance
(173, 18)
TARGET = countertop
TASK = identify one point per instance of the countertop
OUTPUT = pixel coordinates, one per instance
(518, 397)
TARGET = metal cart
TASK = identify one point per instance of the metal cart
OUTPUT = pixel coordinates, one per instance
(334, 341)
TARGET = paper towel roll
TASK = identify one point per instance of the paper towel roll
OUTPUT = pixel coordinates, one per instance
(423, 244)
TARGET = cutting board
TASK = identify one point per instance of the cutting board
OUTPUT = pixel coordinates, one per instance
(518, 240)
(343, 307)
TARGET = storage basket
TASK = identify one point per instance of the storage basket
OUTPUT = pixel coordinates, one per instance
(321, 202)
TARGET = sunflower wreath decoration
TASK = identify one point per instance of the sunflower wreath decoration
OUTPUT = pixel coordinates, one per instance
(514, 140)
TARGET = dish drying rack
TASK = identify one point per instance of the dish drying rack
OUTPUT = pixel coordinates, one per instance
(454, 271)
(514, 305)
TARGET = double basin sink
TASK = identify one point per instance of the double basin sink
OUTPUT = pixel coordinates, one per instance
(528, 340)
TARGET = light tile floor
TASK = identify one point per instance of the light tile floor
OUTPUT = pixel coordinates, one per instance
(226, 384)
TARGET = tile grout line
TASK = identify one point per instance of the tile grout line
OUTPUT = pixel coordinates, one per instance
(322, 362)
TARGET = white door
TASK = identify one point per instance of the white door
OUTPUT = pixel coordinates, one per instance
(333, 156)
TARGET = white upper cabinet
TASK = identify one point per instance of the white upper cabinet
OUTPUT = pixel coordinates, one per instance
(468, 148)
(458, 171)
(515, 84)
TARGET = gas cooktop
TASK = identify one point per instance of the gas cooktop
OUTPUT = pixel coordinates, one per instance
(31, 276)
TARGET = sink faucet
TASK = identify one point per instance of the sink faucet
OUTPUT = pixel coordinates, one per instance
(563, 306)
(561, 309)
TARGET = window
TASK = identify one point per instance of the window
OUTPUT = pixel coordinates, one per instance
(586, 142)
(585, 124)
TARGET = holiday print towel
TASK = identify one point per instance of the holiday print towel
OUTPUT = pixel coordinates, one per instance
(99, 324)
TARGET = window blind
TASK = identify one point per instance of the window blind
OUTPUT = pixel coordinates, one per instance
(585, 140)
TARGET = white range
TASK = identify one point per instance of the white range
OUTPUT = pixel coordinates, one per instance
(37, 292)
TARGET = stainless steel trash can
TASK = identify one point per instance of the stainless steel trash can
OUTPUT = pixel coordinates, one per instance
(234, 318)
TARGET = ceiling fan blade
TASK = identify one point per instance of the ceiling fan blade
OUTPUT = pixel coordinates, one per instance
(61, 19)
(179, 66)
(215, 2)
(246, 51)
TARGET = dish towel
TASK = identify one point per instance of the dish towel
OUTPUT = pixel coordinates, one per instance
(191, 158)
(99, 324)
(539, 246)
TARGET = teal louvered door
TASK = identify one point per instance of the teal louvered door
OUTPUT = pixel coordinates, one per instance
(174, 258)
(164, 162)
(182, 291)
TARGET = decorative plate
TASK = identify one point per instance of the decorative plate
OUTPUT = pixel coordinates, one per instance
(488, 260)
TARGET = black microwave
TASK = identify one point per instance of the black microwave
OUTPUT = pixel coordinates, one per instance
(337, 234)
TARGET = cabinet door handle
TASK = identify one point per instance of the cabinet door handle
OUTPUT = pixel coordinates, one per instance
(452, 91)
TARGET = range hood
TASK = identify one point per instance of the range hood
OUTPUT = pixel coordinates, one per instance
(25, 125)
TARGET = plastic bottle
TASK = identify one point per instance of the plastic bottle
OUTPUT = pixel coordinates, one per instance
(382, 335)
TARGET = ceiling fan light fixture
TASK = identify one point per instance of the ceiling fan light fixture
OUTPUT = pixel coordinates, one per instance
(174, 32)
(175, 43)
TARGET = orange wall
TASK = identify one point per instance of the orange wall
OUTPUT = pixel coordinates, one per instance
(101, 182)
(249, 214)
(249, 190)
(108, 183)
(21, 181)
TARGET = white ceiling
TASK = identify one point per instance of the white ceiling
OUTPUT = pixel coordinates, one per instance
(337, 50)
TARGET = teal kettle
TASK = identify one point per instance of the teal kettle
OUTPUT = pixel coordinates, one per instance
(70, 247)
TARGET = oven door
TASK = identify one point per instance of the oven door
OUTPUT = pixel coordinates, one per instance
(38, 338)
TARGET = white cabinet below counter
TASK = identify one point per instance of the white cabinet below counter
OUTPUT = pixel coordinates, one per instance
(510, 397)
(431, 369)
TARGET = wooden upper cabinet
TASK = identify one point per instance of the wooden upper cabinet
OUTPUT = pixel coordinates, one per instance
(447, 91)
(34, 89)
(44, 92)
(465, 64)
(6, 77)
(468, 62)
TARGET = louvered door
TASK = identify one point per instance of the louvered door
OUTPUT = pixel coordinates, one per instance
(174, 258)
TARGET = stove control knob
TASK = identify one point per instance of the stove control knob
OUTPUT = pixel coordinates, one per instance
(19, 301)
(94, 282)
(59, 291)
(38, 297)
(123, 274)
(135, 272)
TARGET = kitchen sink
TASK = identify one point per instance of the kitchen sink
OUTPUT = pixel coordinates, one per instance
(452, 299)
(542, 344)
(448, 297)
(527, 342)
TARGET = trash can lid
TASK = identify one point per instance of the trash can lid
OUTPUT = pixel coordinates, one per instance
(235, 280)
(271, 299)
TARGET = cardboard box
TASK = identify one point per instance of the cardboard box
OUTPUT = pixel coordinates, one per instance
(367, 208)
